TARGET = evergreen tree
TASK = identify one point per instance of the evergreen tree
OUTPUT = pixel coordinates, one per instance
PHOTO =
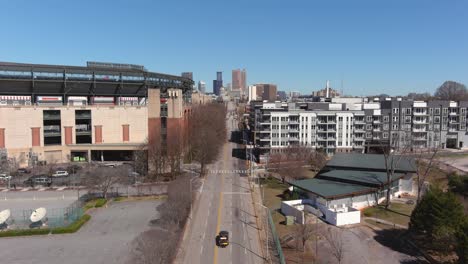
(462, 242)
(438, 216)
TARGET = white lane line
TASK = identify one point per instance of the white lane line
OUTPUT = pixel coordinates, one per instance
(201, 250)
(245, 251)
(61, 188)
(41, 189)
(25, 189)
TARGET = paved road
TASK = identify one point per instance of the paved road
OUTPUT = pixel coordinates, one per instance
(225, 203)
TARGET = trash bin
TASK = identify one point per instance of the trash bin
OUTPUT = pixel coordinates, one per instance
(290, 220)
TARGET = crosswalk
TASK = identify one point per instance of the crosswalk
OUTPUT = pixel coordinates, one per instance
(40, 189)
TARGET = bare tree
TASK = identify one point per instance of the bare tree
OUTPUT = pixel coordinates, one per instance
(335, 240)
(177, 206)
(101, 179)
(289, 162)
(207, 128)
(393, 153)
(154, 246)
(302, 234)
(425, 162)
(451, 90)
(157, 160)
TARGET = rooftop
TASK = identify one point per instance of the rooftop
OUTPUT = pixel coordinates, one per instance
(369, 178)
(331, 189)
(371, 162)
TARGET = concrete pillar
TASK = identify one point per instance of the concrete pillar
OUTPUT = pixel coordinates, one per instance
(154, 115)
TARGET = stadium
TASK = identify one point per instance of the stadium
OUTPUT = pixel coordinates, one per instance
(101, 112)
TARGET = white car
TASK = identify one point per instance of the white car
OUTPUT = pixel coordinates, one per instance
(60, 174)
(5, 177)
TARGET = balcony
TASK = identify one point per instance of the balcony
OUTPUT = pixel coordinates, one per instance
(453, 113)
(421, 121)
(419, 130)
(359, 122)
(265, 138)
(83, 115)
(52, 131)
(293, 130)
(83, 129)
(376, 129)
(376, 121)
(293, 139)
(294, 122)
(424, 113)
(359, 139)
(419, 138)
(51, 116)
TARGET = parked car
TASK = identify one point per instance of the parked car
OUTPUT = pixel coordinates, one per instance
(38, 179)
(4, 177)
(60, 173)
(24, 170)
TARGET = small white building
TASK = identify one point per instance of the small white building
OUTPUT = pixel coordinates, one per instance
(351, 182)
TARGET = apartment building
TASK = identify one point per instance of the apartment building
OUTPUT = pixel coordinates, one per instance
(357, 125)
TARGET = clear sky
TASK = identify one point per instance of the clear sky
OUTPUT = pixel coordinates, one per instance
(374, 46)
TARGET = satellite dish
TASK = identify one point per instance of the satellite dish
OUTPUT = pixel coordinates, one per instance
(38, 214)
(4, 215)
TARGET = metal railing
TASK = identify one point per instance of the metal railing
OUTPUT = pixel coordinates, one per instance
(274, 235)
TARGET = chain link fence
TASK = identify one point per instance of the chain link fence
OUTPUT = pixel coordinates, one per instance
(276, 252)
(55, 217)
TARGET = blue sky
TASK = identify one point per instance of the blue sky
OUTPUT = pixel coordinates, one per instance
(392, 47)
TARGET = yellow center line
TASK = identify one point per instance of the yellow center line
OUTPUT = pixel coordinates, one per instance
(218, 225)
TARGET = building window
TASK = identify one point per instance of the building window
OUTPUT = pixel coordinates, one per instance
(407, 119)
(395, 126)
(408, 111)
(445, 111)
(437, 119)
(437, 111)
(368, 127)
(368, 135)
(395, 119)
(431, 111)
(385, 135)
(369, 118)
(385, 126)
(396, 110)
(462, 110)
(385, 119)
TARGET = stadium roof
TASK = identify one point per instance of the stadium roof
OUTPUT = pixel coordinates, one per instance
(105, 79)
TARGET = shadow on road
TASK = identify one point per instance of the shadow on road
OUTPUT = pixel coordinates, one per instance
(240, 245)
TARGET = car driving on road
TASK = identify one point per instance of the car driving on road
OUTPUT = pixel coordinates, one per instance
(38, 180)
(60, 174)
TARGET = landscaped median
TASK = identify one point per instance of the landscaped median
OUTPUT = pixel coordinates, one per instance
(72, 228)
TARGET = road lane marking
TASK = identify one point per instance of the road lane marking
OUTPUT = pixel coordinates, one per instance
(218, 224)
(25, 189)
(61, 188)
(201, 250)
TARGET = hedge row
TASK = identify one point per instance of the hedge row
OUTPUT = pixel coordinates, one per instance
(100, 202)
(72, 228)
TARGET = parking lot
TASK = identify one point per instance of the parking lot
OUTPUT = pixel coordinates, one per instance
(105, 238)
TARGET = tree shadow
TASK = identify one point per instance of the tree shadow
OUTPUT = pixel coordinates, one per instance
(395, 239)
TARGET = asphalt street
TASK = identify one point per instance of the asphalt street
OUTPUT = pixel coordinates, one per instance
(225, 203)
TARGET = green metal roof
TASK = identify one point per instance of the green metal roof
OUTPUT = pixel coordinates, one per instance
(371, 162)
(331, 189)
(364, 177)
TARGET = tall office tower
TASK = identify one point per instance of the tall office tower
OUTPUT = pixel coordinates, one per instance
(188, 75)
(267, 91)
(218, 83)
(239, 79)
(202, 86)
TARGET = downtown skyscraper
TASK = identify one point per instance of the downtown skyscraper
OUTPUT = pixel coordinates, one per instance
(218, 83)
(239, 79)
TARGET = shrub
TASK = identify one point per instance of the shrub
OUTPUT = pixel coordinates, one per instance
(100, 202)
(73, 227)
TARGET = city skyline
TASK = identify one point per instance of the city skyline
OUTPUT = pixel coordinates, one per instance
(370, 47)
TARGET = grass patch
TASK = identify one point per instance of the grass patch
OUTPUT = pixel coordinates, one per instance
(100, 202)
(24, 232)
(273, 183)
(72, 228)
(398, 213)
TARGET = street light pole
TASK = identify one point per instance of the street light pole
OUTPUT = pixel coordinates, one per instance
(266, 231)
